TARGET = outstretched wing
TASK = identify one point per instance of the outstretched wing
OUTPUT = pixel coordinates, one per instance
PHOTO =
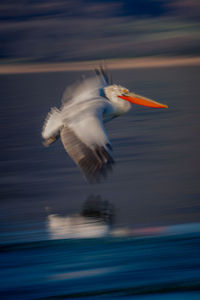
(87, 88)
(85, 139)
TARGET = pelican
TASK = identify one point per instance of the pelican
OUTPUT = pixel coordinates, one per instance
(79, 122)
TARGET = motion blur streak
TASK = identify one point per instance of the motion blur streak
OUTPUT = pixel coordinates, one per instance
(165, 266)
(52, 31)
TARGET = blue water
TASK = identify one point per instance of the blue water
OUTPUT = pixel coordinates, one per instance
(145, 253)
(105, 267)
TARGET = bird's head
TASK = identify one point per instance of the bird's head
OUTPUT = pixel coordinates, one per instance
(116, 92)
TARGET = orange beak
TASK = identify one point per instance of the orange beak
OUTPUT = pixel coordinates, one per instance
(137, 99)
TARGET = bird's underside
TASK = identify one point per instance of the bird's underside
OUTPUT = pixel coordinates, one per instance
(94, 162)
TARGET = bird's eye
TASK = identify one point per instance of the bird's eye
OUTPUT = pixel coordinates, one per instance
(125, 91)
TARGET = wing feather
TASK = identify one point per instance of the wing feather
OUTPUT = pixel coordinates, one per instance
(82, 132)
(84, 89)
(93, 162)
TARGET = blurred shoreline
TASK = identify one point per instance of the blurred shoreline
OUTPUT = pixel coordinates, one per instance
(129, 63)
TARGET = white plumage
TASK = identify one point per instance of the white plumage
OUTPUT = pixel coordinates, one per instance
(79, 122)
(53, 124)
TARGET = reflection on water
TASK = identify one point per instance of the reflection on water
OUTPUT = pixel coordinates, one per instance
(75, 227)
(96, 207)
(94, 220)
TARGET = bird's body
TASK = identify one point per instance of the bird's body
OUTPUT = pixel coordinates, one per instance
(79, 122)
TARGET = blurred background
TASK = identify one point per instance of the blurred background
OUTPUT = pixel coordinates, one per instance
(68, 30)
(136, 235)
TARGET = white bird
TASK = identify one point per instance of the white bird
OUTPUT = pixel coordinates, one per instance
(79, 122)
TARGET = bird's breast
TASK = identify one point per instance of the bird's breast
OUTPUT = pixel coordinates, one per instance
(119, 108)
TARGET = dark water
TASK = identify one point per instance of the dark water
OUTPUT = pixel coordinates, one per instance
(98, 268)
(155, 183)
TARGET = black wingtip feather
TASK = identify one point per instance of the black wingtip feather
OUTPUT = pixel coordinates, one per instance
(103, 72)
(97, 165)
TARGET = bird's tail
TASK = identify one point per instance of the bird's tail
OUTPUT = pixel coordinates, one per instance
(52, 126)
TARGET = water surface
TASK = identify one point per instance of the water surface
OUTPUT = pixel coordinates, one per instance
(155, 183)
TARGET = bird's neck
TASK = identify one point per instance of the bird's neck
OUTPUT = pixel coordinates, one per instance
(121, 106)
